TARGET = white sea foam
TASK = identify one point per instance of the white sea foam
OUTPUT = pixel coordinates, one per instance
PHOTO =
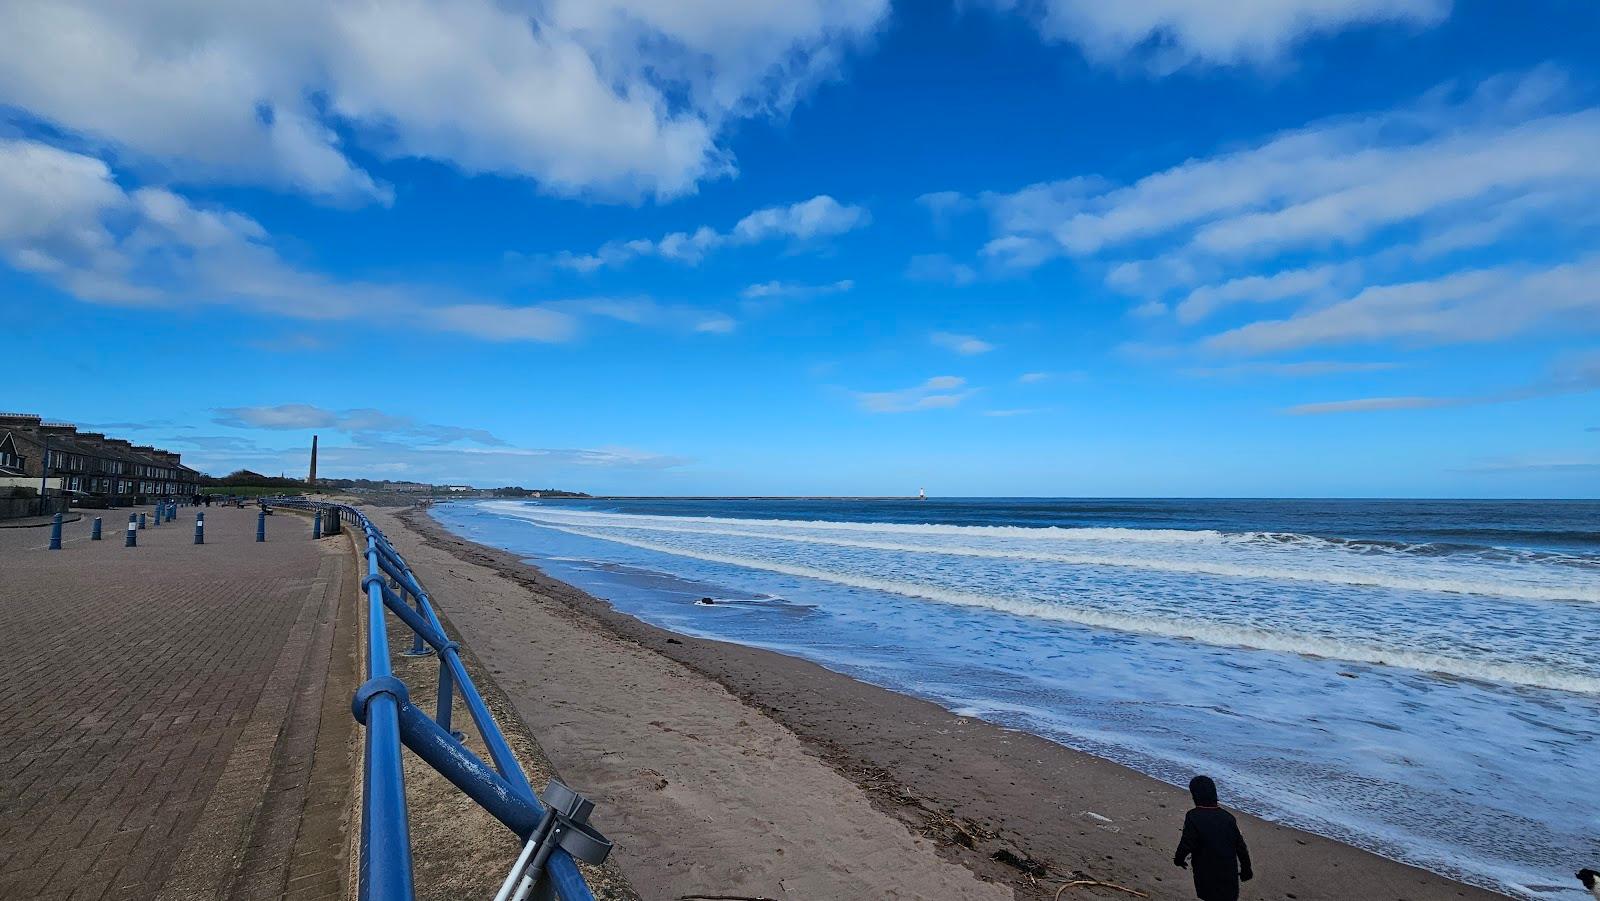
(1041, 533)
(1224, 635)
(1314, 560)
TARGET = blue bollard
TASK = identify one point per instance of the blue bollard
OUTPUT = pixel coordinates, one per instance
(141, 520)
(261, 526)
(94, 534)
(133, 535)
(55, 532)
(172, 511)
(316, 526)
(199, 528)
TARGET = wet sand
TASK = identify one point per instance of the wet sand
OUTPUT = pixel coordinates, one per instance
(726, 770)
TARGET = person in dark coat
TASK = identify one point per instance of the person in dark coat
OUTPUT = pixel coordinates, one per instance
(1211, 839)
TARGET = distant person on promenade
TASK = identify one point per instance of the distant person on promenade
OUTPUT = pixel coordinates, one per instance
(1211, 838)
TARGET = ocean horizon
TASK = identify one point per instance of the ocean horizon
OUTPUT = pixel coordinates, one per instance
(1390, 673)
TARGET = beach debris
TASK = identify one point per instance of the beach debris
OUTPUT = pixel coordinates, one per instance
(1100, 821)
(1025, 864)
(725, 898)
(1095, 883)
(673, 641)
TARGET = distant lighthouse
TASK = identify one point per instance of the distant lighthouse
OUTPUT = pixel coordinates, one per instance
(922, 494)
(312, 476)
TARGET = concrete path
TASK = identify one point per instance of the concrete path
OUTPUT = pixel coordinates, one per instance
(174, 721)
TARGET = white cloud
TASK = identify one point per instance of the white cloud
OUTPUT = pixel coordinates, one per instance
(819, 217)
(805, 221)
(1301, 369)
(776, 290)
(367, 425)
(1167, 34)
(1409, 225)
(716, 324)
(609, 98)
(1578, 374)
(1019, 411)
(944, 205)
(1334, 183)
(1468, 306)
(936, 267)
(1291, 284)
(534, 467)
(1538, 465)
(1033, 378)
(1369, 404)
(496, 322)
(64, 218)
(939, 392)
(966, 345)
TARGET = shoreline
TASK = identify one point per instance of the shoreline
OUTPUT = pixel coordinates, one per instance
(1010, 807)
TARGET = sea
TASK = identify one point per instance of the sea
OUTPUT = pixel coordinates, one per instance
(1417, 678)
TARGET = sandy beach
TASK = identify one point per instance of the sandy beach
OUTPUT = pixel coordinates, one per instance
(723, 770)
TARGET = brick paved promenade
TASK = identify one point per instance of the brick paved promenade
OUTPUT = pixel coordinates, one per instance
(174, 719)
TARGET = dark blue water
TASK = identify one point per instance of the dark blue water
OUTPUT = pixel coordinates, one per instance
(1391, 673)
(1534, 524)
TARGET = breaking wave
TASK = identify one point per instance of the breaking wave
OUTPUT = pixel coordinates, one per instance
(1208, 633)
(1319, 560)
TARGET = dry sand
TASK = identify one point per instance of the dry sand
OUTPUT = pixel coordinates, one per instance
(721, 770)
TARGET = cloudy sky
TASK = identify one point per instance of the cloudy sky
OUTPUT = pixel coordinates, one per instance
(1013, 247)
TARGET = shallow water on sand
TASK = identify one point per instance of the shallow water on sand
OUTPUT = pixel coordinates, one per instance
(1421, 679)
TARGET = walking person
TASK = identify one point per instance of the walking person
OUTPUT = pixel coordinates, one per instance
(1211, 840)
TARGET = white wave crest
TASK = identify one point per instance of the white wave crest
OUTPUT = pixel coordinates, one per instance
(1037, 533)
(1369, 573)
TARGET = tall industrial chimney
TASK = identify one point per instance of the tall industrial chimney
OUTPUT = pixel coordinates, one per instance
(312, 478)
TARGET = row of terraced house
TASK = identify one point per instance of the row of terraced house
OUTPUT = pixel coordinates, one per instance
(87, 466)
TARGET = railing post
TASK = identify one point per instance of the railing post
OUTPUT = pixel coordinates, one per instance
(447, 690)
(133, 536)
(261, 526)
(200, 528)
(94, 533)
(385, 870)
(55, 532)
(418, 649)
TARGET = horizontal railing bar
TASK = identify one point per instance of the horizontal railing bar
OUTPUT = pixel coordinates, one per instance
(398, 606)
(467, 771)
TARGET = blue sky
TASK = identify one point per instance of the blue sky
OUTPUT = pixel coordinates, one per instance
(1042, 247)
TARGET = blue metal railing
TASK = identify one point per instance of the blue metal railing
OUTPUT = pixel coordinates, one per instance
(384, 706)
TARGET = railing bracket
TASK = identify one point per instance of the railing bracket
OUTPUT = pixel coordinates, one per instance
(565, 825)
(376, 686)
